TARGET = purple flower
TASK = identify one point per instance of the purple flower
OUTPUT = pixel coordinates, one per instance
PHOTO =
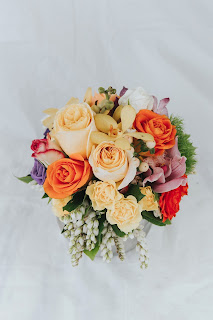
(38, 172)
(45, 133)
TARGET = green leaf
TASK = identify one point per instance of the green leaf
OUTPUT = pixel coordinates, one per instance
(75, 202)
(134, 190)
(152, 151)
(26, 179)
(91, 254)
(46, 196)
(156, 196)
(148, 215)
(167, 221)
(101, 227)
(117, 231)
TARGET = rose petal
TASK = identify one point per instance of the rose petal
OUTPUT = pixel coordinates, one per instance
(49, 156)
(132, 169)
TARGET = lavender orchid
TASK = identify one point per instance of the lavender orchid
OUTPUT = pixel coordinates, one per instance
(161, 108)
(168, 174)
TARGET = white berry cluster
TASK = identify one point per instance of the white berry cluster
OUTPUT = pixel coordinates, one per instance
(107, 242)
(81, 231)
(91, 230)
(119, 244)
(109, 238)
(141, 246)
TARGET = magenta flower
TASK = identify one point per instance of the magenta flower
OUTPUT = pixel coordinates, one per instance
(46, 151)
(168, 174)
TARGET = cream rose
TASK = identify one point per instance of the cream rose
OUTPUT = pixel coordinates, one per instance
(72, 127)
(138, 98)
(148, 202)
(103, 194)
(58, 204)
(126, 214)
(109, 162)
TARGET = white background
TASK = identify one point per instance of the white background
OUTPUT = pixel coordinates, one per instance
(52, 50)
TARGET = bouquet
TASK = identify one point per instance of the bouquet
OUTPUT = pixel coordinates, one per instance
(109, 163)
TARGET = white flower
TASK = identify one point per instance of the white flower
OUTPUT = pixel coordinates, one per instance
(138, 98)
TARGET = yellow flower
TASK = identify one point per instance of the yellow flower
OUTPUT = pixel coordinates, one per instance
(148, 202)
(103, 194)
(109, 162)
(126, 214)
(73, 125)
(58, 204)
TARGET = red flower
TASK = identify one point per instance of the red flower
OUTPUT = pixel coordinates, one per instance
(46, 150)
(169, 201)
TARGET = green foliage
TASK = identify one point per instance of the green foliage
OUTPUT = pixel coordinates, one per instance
(185, 146)
(117, 231)
(45, 196)
(134, 190)
(91, 254)
(149, 216)
(26, 179)
(156, 196)
(75, 202)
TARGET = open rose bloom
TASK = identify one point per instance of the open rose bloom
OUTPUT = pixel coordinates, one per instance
(110, 164)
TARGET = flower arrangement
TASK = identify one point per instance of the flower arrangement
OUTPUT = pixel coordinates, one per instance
(109, 163)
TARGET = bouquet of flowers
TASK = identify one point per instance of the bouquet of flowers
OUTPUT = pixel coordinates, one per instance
(107, 165)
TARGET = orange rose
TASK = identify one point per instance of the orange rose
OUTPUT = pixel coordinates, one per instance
(159, 126)
(66, 176)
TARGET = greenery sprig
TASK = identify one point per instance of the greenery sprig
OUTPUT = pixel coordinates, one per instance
(185, 145)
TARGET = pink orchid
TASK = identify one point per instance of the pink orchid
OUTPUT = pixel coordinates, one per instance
(167, 175)
(161, 108)
(46, 151)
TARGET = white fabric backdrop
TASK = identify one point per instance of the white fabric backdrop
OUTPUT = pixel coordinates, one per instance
(52, 50)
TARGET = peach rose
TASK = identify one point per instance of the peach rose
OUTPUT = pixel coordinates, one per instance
(159, 126)
(126, 214)
(103, 195)
(58, 204)
(66, 176)
(148, 202)
(109, 162)
(72, 127)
